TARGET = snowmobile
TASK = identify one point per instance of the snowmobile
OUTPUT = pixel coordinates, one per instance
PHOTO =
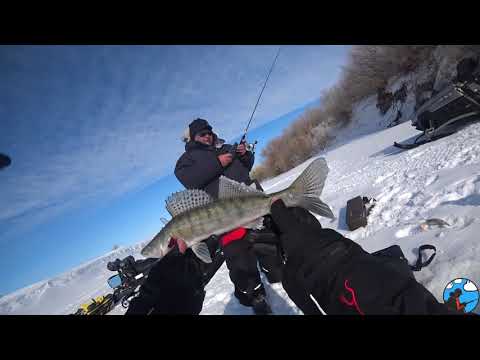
(454, 107)
(99, 306)
(131, 275)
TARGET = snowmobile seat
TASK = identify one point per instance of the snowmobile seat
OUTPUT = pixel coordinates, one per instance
(452, 108)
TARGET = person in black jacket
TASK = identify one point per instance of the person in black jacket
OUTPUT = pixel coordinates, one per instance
(326, 273)
(206, 158)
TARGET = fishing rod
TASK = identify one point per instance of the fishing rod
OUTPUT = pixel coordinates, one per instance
(244, 136)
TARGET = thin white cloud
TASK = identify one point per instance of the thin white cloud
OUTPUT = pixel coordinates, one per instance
(450, 285)
(458, 281)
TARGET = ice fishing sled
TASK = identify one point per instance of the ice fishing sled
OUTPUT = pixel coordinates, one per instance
(454, 107)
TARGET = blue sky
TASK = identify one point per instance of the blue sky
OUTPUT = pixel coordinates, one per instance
(94, 134)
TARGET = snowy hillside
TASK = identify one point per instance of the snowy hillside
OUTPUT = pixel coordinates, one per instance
(436, 180)
(63, 294)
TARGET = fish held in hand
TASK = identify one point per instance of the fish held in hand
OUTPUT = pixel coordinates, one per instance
(197, 216)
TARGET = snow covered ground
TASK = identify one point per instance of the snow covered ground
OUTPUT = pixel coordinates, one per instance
(436, 180)
(65, 293)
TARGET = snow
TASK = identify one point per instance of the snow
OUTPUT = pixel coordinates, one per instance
(436, 180)
(65, 293)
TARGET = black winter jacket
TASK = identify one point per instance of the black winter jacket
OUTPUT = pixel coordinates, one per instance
(199, 167)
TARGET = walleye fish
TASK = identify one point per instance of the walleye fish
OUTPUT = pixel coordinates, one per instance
(196, 215)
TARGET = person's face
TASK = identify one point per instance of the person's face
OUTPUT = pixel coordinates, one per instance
(204, 137)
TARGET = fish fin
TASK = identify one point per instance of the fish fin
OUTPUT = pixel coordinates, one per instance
(309, 186)
(312, 180)
(186, 200)
(317, 206)
(229, 189)
(201, 251)
(255, 224)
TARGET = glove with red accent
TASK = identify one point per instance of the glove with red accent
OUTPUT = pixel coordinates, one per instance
(328, 273)
(311, 254)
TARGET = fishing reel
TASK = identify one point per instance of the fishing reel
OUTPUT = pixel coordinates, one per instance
(249, 147)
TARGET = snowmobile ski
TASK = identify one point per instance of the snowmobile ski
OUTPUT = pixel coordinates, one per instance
(417, 143)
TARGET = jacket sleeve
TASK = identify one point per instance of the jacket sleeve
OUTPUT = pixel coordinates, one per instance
(196, 172)
(326, 272)
(343, 279)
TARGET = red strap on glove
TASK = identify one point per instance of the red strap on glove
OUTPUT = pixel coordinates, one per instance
(233, 235)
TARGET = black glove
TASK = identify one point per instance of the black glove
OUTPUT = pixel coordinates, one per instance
(300, 230)
(326, 272)
(206, 270)
(311, 253)
(265, 242)
(176, 284)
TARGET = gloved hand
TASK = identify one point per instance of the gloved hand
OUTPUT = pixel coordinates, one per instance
(300, 230)
(328, 273)
(173, 286)
(311, 253)
(176, 284)
(266, 241)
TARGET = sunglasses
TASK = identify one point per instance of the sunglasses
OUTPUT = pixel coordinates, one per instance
(205, 133)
